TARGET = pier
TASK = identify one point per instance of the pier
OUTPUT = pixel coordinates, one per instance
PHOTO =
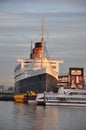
(7, 96)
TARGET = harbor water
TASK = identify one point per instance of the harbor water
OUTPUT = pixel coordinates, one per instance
(15, 116)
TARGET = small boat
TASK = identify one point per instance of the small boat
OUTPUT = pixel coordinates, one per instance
(25, 98)
(64, 97)
(32, 97)
(21, 98)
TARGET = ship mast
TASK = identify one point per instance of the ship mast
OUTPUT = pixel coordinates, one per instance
(42, 42)
(42, 39)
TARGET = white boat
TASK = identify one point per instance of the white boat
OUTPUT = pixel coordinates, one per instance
(65, 97)
(40, 99)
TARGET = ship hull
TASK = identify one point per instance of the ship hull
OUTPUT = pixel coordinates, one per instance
(38, 83)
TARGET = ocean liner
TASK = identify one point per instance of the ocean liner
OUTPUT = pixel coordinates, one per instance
(38, 73)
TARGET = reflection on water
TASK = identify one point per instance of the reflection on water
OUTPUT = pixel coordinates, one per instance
(31, 117)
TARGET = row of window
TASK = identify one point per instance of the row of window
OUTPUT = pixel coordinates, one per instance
(68, 98)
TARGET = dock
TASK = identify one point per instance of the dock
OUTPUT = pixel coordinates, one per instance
(7, 96)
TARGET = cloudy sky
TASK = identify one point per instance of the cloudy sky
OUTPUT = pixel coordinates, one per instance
(65, 32)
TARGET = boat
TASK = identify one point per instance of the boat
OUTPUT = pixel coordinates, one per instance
(64, 97)
(25, 98)
(40, 99)
(21, 98)
(31, 97)
(37, 73)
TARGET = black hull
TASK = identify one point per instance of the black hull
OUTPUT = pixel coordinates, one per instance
(38, 83)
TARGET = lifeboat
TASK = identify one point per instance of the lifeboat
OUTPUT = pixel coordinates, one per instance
(25, 98)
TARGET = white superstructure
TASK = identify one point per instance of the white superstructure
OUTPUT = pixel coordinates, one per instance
(31, 67)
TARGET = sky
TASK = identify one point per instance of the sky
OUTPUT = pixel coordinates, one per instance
(65, 33)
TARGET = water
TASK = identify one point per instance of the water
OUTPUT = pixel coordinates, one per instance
(31, 117)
